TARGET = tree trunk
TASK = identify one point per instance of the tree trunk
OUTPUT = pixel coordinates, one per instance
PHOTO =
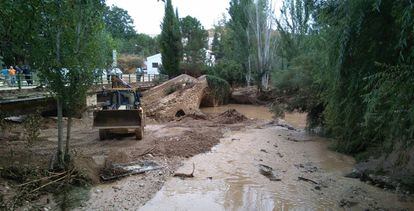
(60, 131)
(265, 81)
(68, 131)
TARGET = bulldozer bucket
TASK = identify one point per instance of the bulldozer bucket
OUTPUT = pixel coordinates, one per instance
(117, 119)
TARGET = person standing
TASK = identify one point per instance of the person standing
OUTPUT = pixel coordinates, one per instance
(27, 75)
(5, 73)
(139, 74)
(12, 73)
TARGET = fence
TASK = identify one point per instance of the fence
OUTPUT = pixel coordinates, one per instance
(27, 81)
(132, 78)
(19, 81)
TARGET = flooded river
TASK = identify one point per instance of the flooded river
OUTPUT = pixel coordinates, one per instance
(228, 177)
(297, 120)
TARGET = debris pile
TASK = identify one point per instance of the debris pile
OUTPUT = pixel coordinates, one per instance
(122, 170)
(187, 145)
(231, 116)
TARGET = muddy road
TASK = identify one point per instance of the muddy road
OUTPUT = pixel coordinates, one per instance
(257, 165)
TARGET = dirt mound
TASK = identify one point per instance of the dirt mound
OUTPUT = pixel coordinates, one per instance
(188, 145)
(231, 116)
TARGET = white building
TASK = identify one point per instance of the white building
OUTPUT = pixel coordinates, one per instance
(153, 63)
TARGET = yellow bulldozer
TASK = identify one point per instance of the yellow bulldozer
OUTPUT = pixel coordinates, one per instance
(121, 111)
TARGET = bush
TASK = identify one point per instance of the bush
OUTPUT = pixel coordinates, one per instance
(219, 89)
(194, 70)
(229, 70)
(297, 90)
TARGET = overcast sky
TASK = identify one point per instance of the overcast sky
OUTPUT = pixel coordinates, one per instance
(148, 14)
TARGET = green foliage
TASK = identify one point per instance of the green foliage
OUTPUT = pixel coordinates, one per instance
(229, 70)
(219, 88)
(118, 22)
(194, 40)
(217, 46)
(170, 41)
(18, 29)
(236, 41)
(138, 44)
(349, 65)
(193, 69)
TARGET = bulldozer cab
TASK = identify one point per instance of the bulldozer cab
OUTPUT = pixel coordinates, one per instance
(122, 99)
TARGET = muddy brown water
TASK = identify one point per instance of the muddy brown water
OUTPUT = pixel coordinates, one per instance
(297, 120)
(228, 178)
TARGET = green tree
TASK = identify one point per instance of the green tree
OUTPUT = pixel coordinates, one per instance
(217, 46)
(67, 53)
(118, 22)
(18, 28)
(238, 42)
(170, 41)
(194, 40)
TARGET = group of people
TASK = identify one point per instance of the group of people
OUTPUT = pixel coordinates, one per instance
(10, 75)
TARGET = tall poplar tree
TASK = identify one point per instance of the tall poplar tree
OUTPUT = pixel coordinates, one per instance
(170, 41)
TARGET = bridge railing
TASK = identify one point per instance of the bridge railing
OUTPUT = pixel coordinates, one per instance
(132, 78)
(27, 81)
(19, 81)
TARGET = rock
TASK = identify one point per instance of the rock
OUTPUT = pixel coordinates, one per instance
(247, 95)
(98, 191)
(116, 188)
(317, 187)
(268, 172)
(354, 174)
(141, 185)
(347, 203)
(289, 127)
(263, 150)
(99, 160)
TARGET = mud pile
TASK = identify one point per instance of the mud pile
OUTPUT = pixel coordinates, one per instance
(175, 98)
(230, 116)
(188, 145)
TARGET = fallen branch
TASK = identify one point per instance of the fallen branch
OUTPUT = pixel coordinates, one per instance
(44, 178)
(182, 175)
(307, 180)
(147, 151)
(49, 183)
